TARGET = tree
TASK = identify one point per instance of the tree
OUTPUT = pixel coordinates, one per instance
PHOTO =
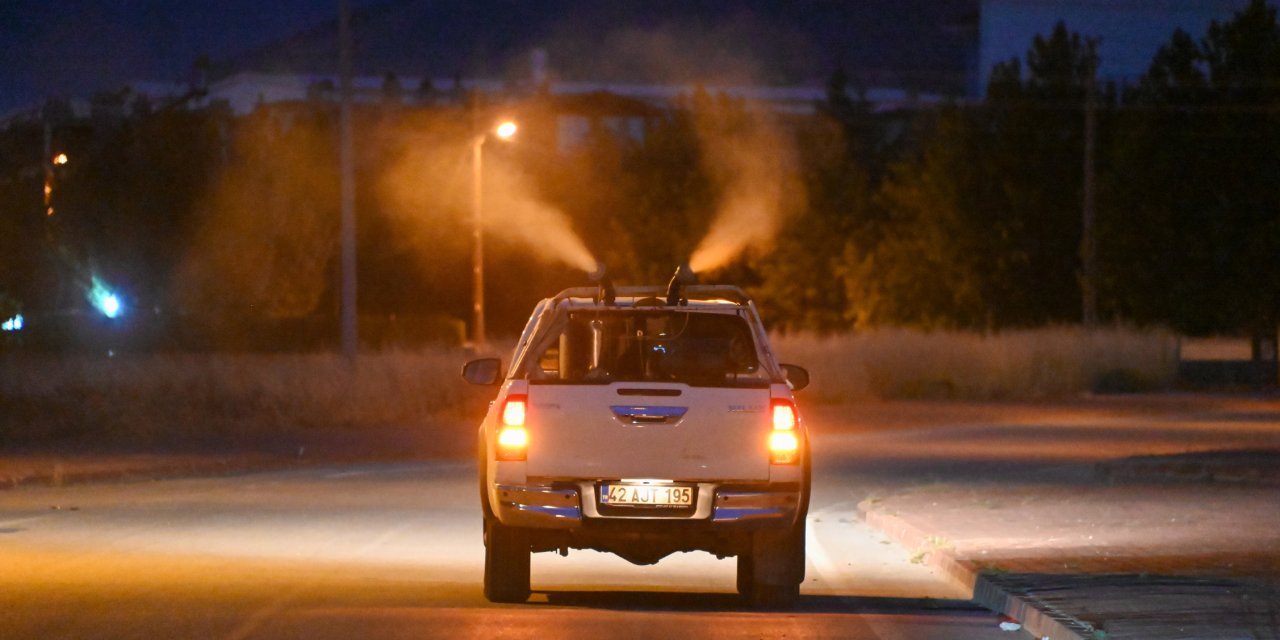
(800, 286)
(1194, 222)
(983, 224)
(269, 229)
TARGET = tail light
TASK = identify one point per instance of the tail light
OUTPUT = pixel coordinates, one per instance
(513, 438)
(784, 440)
(784, 416)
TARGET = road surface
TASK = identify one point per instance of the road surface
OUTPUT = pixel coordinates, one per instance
(394, 550)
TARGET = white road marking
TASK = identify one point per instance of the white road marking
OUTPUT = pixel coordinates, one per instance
(10, 523)
(349, 474)
(829, 573)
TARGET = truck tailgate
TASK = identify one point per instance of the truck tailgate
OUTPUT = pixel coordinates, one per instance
(648, 430)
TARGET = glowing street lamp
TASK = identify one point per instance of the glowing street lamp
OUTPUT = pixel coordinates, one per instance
(60, 159)
(504, 130)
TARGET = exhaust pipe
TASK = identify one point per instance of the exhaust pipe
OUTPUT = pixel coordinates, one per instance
(605, 294)
(684, 275)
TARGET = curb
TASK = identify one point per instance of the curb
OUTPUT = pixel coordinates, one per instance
(1232, 467)
(62, 474)
(65, 474)
(1035, 616)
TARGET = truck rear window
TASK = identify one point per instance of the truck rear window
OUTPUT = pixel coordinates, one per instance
(601, 347)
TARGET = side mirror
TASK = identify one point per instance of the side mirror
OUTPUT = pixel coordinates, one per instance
(797, 375)
(487, 371)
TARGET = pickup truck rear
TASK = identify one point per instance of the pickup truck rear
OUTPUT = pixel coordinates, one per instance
(643, 422)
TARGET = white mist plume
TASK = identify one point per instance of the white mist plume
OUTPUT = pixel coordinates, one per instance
(744, 149)
(511, 212)
(746, 154)
(429, 191)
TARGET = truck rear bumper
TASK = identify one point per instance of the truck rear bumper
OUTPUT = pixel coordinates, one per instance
(542, 507)
(562, 506)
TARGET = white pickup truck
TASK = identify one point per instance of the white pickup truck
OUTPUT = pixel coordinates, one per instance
(643, 422)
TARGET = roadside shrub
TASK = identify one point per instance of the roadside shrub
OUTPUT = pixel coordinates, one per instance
(1024, 364)
(147, 398)
(154, 397)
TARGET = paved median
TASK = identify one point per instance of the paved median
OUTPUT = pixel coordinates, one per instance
(1114, 554)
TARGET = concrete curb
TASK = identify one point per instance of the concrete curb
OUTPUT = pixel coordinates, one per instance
(66, 472)
(61, 474)
(1255, 467)
(1038, 618)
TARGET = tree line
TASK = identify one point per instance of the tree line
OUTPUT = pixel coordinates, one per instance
(979, 225)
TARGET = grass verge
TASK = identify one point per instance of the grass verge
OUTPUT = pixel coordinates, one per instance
(149, 398)
(143, 399)
(1043, 363)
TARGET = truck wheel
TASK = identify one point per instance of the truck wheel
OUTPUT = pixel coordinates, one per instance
(506, 562)
(769, 576)
(745, 574)
(483, 480)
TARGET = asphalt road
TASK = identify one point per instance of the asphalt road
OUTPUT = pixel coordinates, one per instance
(394, 550)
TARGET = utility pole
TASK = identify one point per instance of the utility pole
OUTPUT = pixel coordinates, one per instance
(1089, 236)
(477, 232)
(57, 256)
(46, 161)
(350, 332)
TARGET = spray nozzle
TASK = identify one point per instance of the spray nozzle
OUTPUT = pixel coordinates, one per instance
(684, 275)
(606, 294)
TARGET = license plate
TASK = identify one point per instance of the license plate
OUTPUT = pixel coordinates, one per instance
(646, 495)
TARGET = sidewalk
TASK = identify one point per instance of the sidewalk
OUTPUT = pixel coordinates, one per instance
(1148, 548)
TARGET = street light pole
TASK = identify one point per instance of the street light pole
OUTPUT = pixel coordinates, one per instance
(347, 224)
(504, 131)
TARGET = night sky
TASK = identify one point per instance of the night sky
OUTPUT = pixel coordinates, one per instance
(74, 47)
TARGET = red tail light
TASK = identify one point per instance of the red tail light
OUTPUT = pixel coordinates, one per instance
(513, 410)
(784, 415)
(784, 440)
(513, 438)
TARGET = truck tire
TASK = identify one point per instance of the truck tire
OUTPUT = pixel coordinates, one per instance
(483, 479)
(745, 578)
(506, 562)
(769, 576)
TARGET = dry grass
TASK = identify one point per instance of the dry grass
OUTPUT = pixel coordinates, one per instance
(1217, 348)
(146, 398)
(150, 397)
(1027, 364)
